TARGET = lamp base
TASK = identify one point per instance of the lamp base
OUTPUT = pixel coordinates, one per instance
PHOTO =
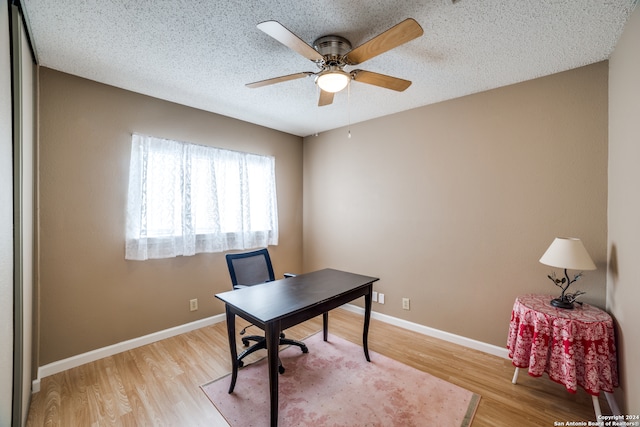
(560, 303)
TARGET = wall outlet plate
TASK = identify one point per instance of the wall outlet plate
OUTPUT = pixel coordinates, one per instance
(193, 304)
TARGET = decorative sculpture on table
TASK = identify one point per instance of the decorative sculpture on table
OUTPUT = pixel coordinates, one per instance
(570, 254)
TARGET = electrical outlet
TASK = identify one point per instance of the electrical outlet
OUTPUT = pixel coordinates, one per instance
(405, 303)
(374, 296)
(381, 298)
(193, 304)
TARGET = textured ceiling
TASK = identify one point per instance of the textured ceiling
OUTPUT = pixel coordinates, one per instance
(201, 53)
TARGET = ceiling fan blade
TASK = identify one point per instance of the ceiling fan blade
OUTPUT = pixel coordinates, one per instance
(279, 79)
(401, 33)
(326, 98)
(287, 38)
(381, 80)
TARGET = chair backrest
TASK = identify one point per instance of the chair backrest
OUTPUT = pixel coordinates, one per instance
(250, 268)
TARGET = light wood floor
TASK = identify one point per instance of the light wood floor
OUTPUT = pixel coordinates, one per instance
(158, 384)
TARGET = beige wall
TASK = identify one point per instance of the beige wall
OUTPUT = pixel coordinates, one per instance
(623, 280)
(452, 204)
(90, 297)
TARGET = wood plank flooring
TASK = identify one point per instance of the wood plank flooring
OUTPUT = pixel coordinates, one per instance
(159, 384)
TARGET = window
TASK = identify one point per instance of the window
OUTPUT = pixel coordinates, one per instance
(185, 199)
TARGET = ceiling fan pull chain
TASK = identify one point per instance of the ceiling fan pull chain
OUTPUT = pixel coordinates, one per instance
(317, 91)
(349, 109)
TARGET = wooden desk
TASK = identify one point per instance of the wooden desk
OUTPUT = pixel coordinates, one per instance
(278, 305)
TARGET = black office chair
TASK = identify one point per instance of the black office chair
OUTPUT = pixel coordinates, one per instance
(248, 269)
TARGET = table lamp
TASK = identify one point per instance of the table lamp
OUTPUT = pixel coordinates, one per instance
(568, 253)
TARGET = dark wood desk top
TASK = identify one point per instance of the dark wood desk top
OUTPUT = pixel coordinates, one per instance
(274, 300)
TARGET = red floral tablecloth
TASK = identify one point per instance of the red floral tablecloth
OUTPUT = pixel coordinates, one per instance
(575, 347)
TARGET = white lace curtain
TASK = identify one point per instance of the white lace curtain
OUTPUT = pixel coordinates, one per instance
(185, 199)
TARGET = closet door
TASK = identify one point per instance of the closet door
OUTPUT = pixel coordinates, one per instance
(6, 221)
(17, 214)
(24, 201)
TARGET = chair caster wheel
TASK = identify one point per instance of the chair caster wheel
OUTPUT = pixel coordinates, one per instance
(245, 342)
(240, 363)
(305, 350)
(281, 369)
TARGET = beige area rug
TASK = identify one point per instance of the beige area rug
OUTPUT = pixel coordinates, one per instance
(334, 385)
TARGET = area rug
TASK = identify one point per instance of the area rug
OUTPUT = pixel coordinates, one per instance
(333, 385)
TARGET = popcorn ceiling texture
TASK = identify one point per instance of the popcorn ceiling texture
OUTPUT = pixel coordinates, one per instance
(201, 53)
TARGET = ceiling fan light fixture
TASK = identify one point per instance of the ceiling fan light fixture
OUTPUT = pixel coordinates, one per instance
(333, 80)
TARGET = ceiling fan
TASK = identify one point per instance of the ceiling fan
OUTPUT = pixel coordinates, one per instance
(332, 53)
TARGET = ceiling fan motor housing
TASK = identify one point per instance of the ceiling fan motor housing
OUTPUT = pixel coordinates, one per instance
(333, 48)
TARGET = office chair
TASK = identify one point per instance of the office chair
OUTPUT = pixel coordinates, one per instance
(248, 269)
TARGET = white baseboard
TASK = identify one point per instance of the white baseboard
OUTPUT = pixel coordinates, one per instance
(90, 356)
(81, 359)
(436, 333)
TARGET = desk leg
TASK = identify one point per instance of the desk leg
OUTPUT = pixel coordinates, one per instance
(325, 325)
(367, 318)
(231, 331)
(272, 335)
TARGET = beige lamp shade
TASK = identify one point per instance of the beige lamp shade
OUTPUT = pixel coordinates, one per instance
(568, 253)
